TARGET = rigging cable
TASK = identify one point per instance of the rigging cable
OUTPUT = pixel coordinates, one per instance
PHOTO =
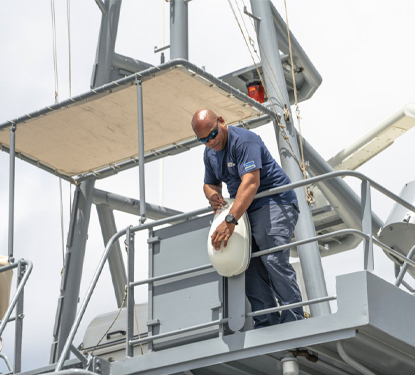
(55, 54)
(119, 312)
(115, 319)
(309, 196)
(68, 16)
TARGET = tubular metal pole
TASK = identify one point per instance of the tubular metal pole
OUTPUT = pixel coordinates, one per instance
(19, 320)
(179, 30)
(11, 190)
(140, 116)
(356, 365)
(130, 294)
(309, 254)
(404, 267)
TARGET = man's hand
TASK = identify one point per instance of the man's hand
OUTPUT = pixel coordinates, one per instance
(216, 201)
(222, 233)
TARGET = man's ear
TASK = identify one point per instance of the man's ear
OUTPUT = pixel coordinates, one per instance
(221, 119)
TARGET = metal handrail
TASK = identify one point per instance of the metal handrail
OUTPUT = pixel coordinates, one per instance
(19, 290)
(368, 237)
(291, 306)
(6, 361)
(25, 267)
(101, 264)
(264, 311)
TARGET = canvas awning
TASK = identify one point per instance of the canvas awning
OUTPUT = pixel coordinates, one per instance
(99, 130)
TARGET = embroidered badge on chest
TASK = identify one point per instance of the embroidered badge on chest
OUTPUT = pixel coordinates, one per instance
(231, 164)
(249, 166)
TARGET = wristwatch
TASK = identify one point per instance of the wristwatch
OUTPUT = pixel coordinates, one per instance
(231, 219)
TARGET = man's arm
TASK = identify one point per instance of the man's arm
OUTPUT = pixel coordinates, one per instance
(213, 194)
(244, 197)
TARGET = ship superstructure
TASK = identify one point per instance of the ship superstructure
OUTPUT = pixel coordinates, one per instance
(196, 322)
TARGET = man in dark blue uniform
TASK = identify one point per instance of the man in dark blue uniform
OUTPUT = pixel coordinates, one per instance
(240, 159)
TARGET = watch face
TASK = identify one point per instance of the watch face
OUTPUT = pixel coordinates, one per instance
(230, 219)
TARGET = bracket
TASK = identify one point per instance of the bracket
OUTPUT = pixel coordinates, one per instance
(251, 15)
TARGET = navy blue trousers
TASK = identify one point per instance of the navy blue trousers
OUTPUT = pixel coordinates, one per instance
(271, 277)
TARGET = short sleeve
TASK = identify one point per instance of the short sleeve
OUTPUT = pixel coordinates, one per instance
(210, 177)
(248, 157)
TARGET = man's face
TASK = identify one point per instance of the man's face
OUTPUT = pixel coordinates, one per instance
(213, 134)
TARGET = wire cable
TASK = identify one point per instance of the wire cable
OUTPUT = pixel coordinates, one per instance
(68, 17)
(309, 195)
(55, 54)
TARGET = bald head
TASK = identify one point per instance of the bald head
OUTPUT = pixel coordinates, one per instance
(210, 129)
(202, 119)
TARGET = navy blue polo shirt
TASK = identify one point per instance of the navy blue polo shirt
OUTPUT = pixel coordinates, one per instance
(245, 152)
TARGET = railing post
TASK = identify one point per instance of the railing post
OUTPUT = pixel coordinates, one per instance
(367, 226)
(140, 115)
(11, 190)
(130, 292)
(21, 269)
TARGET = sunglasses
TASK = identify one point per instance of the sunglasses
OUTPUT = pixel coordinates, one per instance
(212, 134)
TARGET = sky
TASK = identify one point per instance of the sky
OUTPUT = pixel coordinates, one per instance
(363, 51)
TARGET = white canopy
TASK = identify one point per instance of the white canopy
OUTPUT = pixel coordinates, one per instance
(103, 130)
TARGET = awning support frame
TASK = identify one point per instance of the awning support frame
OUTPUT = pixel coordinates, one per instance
(12, 170)
(113, 86)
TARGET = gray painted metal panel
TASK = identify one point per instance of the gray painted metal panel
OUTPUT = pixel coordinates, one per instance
(312, 77)
(365, 303)
(188, 300)
(128, 65)
(175, 240)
